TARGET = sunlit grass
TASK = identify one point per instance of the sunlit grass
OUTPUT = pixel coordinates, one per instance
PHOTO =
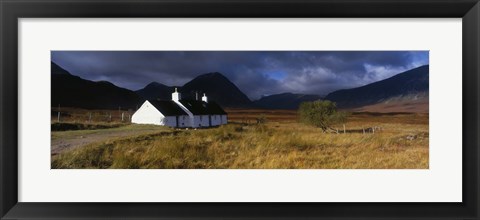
(271, 145)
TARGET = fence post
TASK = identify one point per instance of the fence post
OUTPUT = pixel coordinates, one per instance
(363, 130)
(344, 128)
(58, 117)
(122, 116)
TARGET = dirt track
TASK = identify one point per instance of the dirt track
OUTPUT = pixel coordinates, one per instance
(65, 140)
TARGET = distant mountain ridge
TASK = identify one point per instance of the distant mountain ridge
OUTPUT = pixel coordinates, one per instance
(72, 91)
(285, 100)
(156, 90)
(401, 86)
(403, 91)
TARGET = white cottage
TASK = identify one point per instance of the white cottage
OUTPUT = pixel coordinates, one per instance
(181, 113)
(157, 112)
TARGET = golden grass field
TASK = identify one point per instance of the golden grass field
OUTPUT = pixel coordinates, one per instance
(400, 141)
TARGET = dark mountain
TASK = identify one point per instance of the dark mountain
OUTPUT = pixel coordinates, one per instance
(156, 90)
(57, 70)
(285, 101)
(216, 86)
(72, 91)
(406, 85)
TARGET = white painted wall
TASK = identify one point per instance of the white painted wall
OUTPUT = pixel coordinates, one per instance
(216, 120)
(204, 121)
(170, 121)
(224, 119)
(196, 121)
(184, 121)
(148, 114)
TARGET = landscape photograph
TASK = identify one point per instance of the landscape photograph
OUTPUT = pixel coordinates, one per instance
(239, 109)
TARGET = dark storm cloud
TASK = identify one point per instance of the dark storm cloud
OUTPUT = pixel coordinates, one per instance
(256, 73)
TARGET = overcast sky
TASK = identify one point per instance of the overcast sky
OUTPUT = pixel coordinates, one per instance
(256, 73)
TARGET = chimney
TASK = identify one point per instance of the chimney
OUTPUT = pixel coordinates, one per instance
(176, 96)
(204, 98)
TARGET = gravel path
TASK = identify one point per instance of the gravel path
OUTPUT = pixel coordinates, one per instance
(65, 140)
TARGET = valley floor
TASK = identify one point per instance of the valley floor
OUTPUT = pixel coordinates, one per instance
(400, 141)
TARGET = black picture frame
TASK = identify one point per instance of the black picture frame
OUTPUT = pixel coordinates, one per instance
(12, 10)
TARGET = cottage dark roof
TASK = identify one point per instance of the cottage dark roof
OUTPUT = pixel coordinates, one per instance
(195, 107)
(167, 108)
(203, 108)
(214, 109)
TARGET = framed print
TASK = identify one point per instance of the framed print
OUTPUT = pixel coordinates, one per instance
(227, 109)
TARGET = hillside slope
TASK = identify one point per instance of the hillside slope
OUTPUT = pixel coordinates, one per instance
(72, 91)
(403, 86)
